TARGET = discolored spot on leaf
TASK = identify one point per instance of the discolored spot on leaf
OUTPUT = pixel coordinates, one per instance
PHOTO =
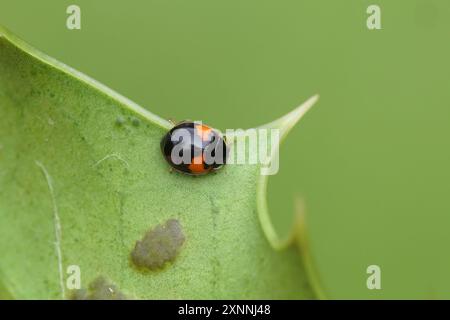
(120, 121)
(136, 122)
(159, 245)
(99, 289)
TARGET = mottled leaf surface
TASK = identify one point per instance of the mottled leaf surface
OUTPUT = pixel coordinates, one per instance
(82, 179)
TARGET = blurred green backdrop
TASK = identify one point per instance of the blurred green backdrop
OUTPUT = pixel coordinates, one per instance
(371, 159)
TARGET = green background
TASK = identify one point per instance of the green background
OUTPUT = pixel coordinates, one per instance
(370, 160)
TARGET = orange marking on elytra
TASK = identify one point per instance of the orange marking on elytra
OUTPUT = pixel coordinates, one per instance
(197, 165)
(203, 131)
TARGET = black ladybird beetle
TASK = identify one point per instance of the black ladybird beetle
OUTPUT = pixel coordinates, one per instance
(194, 148)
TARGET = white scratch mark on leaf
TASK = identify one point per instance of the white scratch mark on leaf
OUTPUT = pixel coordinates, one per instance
(57, 225)
(113, 155)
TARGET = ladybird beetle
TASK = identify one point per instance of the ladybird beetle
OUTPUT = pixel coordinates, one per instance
(194, 148)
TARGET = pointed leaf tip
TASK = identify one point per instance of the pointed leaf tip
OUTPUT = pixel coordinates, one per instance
(284, 124)
(288, 121)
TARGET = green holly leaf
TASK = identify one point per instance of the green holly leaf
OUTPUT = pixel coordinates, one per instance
(84, 190)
